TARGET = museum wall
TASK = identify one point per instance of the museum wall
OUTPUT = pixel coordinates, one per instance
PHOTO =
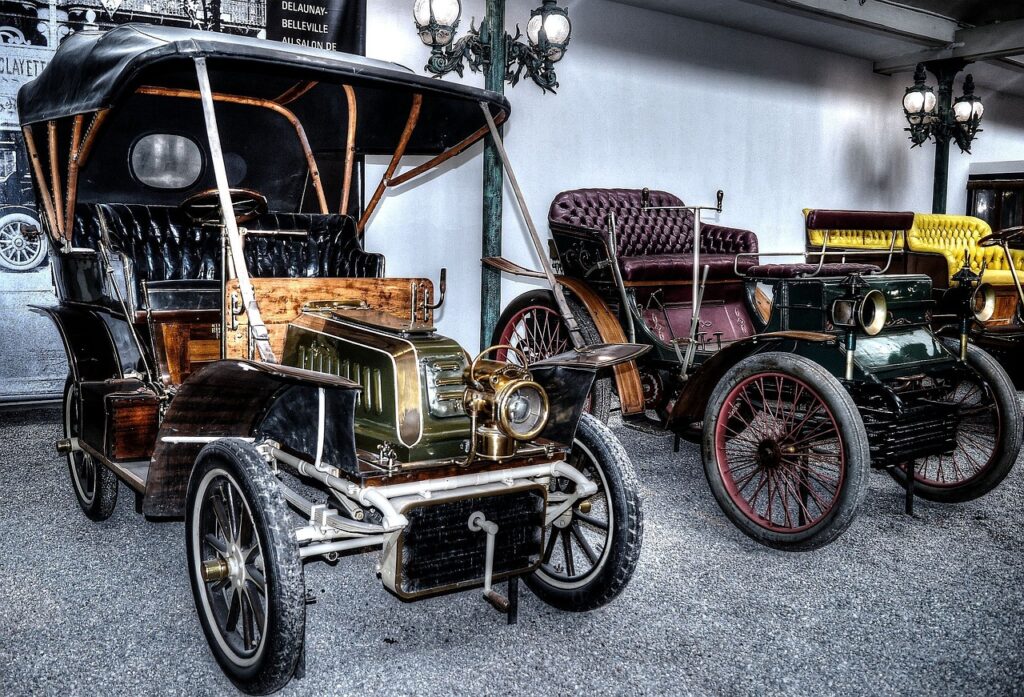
(649, 99)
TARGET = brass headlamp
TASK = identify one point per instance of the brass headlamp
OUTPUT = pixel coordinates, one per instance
(505, 404)
(868, 312)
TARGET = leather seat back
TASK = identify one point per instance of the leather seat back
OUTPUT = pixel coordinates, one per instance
(640, 232)
(163, 245)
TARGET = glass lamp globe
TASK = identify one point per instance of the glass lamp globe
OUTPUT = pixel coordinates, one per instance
(962, 111)
(918, 103)
(557, 28)
(446, 15)
(978, 109)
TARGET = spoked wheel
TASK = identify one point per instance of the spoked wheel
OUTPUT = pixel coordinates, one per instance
(244, 566)
(22, 247)
(988, 435)
(533, 324)
(95, 486)
(591, 551)
(785, 451)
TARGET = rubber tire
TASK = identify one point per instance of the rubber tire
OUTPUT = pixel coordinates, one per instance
(104, 501)
(41, 253)
(1010, 445)
(601, 392)
(851, 426)
(623, 492)
(286, 588)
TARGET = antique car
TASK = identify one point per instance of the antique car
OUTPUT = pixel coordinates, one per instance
(796, 378)
(963, 257)
(22, 244)
(237, 358)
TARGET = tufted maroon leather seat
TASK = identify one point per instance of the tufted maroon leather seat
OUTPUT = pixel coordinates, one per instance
(652, 245)
(798, 270)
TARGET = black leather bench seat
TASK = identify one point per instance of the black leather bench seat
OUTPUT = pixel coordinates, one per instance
(164, 245)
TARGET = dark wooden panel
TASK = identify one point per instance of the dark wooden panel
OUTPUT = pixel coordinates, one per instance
(131, 425)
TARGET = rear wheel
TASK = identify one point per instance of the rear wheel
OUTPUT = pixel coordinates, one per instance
(989, 435)
(591, 551)
(94, 485)
(533, 324)
(785, 451)
(244, 567)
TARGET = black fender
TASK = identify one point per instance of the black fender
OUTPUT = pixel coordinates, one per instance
(91, 351)
(567, 379)
(245, 399)
(693, 398)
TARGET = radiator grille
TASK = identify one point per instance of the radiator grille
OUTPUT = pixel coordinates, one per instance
(918, 432)
(439, 552)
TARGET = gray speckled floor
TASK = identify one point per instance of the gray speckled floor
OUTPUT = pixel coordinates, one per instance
(930, 605)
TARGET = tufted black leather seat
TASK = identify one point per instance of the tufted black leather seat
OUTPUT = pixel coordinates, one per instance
(654, 245)
(163, 245)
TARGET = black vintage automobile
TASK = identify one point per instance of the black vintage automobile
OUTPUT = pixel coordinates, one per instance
(795, 377)
(238, 358)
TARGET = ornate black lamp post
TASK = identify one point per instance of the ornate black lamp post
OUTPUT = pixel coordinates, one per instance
(502, 58)
(942, 119)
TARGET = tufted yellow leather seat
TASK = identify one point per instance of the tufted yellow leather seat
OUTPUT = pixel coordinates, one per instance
(854, 239)
(950, 235)
(933, 234)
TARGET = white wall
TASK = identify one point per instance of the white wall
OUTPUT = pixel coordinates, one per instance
(648, 99)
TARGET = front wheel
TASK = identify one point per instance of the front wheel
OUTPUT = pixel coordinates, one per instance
(591, 551)
(22, 245)
(533, 324)
(785, 451)
(94, 485)
(244, 566)
(988, 435)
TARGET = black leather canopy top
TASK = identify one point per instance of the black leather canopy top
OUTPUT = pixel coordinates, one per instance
(95, 70)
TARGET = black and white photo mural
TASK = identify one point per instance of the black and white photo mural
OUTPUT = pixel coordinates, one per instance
(32, 363)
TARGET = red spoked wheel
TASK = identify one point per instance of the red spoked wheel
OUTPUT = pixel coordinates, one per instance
(785, 451)
(988, 435)
(532, 324)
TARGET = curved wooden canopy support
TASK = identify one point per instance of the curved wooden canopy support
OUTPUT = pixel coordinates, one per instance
(44, 189)
(350, 148)
(403, 142)
(314, 171)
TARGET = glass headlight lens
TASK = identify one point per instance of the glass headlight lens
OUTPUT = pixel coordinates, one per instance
(523, 410)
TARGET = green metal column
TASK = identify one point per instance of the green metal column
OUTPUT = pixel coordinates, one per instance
(490, 280)
(944, 104)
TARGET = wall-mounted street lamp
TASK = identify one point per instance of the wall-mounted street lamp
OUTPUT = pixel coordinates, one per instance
(942, 119)
(548, 33)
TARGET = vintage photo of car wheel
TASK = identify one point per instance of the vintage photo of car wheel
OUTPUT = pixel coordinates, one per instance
(785, 451)
(533, 324)
(22, 245)
(988, 436)
(95, 486)
(591, 551)
(244, 566)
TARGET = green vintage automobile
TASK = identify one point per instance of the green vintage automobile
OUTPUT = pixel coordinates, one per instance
(237, 357)
(796, 378)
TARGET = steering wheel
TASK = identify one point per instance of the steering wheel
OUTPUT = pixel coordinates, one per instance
(204, 207)
(1010, 236)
